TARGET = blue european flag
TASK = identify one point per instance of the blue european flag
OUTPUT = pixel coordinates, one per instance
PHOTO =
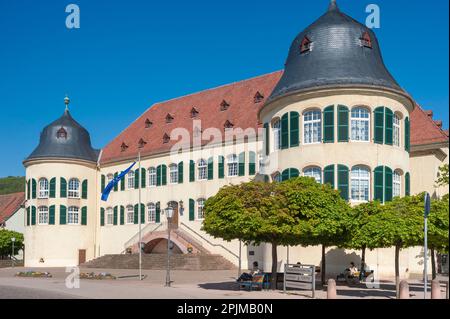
(114, 182)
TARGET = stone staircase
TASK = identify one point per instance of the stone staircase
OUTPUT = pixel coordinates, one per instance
(159, 262)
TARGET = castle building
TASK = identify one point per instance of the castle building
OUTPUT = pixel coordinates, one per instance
(334, 113)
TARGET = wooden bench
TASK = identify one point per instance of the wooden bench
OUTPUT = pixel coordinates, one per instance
(258, 281)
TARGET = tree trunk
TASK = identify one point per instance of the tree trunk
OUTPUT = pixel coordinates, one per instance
(323, 267)
(397, 269)
(273, 284)
(363, 257)
(433, 264)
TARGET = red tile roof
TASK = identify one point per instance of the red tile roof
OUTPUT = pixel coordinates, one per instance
(242, 112)
(9, 204)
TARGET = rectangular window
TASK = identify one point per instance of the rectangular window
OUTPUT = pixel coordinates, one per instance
(200, 209)
(360, 184)
(173, 174)
(360, 125)
(43, 215)
(396, 132)
(130, 183)
(397, 185)
(73, 216)
(151, 211)
(74, 188)
(130, 215)
(202, 170)
(109, 216)
(152, 176)
(43, 188)
(232, 166)
(312, 124)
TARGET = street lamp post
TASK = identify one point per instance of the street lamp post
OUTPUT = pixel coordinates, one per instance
(13, 239)
(169, 213)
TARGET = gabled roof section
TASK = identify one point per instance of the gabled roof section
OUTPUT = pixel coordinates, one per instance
(424, 130)
(9, 204)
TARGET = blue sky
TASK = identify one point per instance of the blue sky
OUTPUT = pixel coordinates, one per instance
(130, 54)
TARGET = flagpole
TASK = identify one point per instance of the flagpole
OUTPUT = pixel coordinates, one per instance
(139, 217)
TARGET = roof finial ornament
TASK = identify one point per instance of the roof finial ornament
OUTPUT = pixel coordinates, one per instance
(333, 6)
(67, 102)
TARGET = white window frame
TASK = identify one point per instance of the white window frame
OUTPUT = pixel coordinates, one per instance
(74, 188)
(43, 188)
(202, 169)
(130, 214)
(201, 209)
(73, 215)
(173, 174)
(152, 177)
(130, 180)
(43, 215)
(276, 131)
(396, 134)
(151, 213)
(396, 184)
(359, 121)
(232, 165)
(109, 216)
(311, 171)
(310, 125)
(360, 180)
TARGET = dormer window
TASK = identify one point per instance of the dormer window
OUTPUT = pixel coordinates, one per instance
(228, 124)
(305, 45)
(258, 97)
(224, 105)
(123, 147)
(62, 133)
(366, 41)
(194, 112)
(169, 118)
(141, 143)
(166, 138)
(148, 123)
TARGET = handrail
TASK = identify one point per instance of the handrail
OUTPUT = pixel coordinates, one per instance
(142, 231)
(212, 244)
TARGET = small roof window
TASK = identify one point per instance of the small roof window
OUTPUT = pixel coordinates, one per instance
(305, 45)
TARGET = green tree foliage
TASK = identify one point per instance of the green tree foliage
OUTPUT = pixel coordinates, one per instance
(443, 176)
(438, 229)
(6, 243)
(11, 184)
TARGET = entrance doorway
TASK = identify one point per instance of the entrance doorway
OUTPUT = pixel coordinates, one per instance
(81, 256)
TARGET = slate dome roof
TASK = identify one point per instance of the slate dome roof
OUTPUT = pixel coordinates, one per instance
(336, 56)
(65, 138)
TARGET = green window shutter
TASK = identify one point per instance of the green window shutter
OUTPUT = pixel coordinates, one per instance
(63, 188)
(180, 172)
(62, 214)
(33, 215)
(328, 175)
(122, 215)
(102, 216)
(221, 167)
(343, 119)
(84, 189)
(252, 163)
(294, 129)
(122, 184)
(267, 138)
(328, 124)
(407, 184)
(28, 189)
(84, 216)
(116, 187)
(191, 171)
(293, 173)
(53, 187)
(51, 215)
(28, 216)
(387, 184)
(158, 176)
(115, 213)
(143, 177)
(33, 188)
(158, 213)
(164, 174)
(136, 213)
(285, 131)
(102, 183)
(210, 168)
(379, 125)
(242, 164)
(379, 184)
(285, 175)
(142, 214)
(407, 134)
(136, 179)
(389, 123)
(191, 209)
(343, 183)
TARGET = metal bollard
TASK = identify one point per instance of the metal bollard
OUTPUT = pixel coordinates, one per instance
(331, 289)
(404, 290)
(436, 289)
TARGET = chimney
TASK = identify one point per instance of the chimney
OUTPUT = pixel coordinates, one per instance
(429, 113)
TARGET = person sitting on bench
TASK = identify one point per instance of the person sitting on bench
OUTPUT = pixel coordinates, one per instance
(249, 276)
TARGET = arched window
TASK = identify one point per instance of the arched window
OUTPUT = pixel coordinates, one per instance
(73, 215)
(312, 127)
(396, 130)
(152, 176)
(130, 178)
(314, 172)
(277, 177)
(74, 188)
(173, 170)
(43, 188)
(202, 170)
(232, 165)
(200, 208)
(360, 184)
(109, 216)
(151, 212)
(360, 124)
(130, 214)
(43, 215)
(396, 184)
(276, 128)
